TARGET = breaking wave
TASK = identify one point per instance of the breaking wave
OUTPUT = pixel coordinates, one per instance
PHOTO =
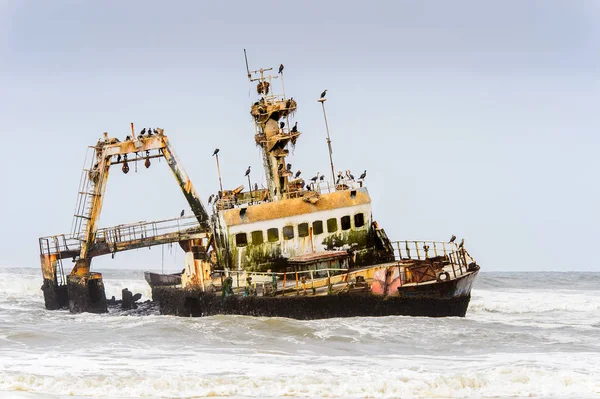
(534, 301)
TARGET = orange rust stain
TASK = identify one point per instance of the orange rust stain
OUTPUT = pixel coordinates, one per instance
(293, 207)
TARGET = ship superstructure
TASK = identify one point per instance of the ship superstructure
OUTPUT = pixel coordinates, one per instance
(260, 230)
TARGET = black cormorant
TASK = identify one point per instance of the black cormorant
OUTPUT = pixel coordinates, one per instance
(364, 174)
(289, 166)
(143, 131)
(210, 198)
(452, 239)
(255, 186)
(182, 212)
(216, 152)
(322, 177)
(280, 68)
(462, 243)
(314, 178)
(295, 128)
(297, 174)
(324, 93)
(247, 171)
(281, 125)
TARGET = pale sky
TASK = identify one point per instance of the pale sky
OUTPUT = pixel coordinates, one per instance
(473, 118)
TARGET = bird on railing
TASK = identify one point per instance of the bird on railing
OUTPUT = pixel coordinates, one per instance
(452, 239)
(149, 132)
(322, 178)
(247, 171)
(119, 158)
(314, 178)
(297, 175)
(363, 176)
(182, 213)
(143, 132)
(215, 152)
(349, 175)
(340, 176)
(289, 166)
(295, 128)
(210, 198)
(462, 243)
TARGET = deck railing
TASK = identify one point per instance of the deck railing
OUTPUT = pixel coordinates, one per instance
(458, 257)
(270, 282)
(258, 197)
(121, 234)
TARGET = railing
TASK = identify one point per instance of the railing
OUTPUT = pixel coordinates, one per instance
(258, 197)
(270, 282)
(457, 256)
(422, 249)
(147, 230)
(121, 234)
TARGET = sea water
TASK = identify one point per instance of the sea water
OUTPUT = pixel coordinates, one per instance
(525, 335)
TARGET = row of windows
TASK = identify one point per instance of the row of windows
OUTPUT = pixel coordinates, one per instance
(241, 239)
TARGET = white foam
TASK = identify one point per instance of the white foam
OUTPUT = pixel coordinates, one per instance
(202, 375)
(522, 301)
(113, 287)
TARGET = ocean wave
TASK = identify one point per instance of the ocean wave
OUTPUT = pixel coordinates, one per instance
(533, 301)
(503, 381)
(17, 284)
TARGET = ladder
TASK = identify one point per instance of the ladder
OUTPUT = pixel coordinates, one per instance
(85, 196)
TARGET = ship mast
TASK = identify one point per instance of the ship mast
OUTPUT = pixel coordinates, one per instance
(268, 112)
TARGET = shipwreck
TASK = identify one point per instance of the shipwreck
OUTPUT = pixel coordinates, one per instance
(299, 248)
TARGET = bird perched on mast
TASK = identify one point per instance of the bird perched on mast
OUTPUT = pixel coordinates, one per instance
(314, 178)
(462, 243)
(363, 176)
(295, 128)
(216, 152)
(281, 68)
(143, 131)
(297, 174)
(452, 239)
(324, 93)
(247, 171)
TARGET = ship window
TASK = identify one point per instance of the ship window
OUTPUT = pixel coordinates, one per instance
(303, 230)
(359, 220)
(318, 227)
(331, 225)
(241, 239)
(257, 237)
(345, 222)
(273, 235)
(288, 232)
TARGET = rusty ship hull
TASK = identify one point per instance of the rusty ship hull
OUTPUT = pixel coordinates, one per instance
(439, 299)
